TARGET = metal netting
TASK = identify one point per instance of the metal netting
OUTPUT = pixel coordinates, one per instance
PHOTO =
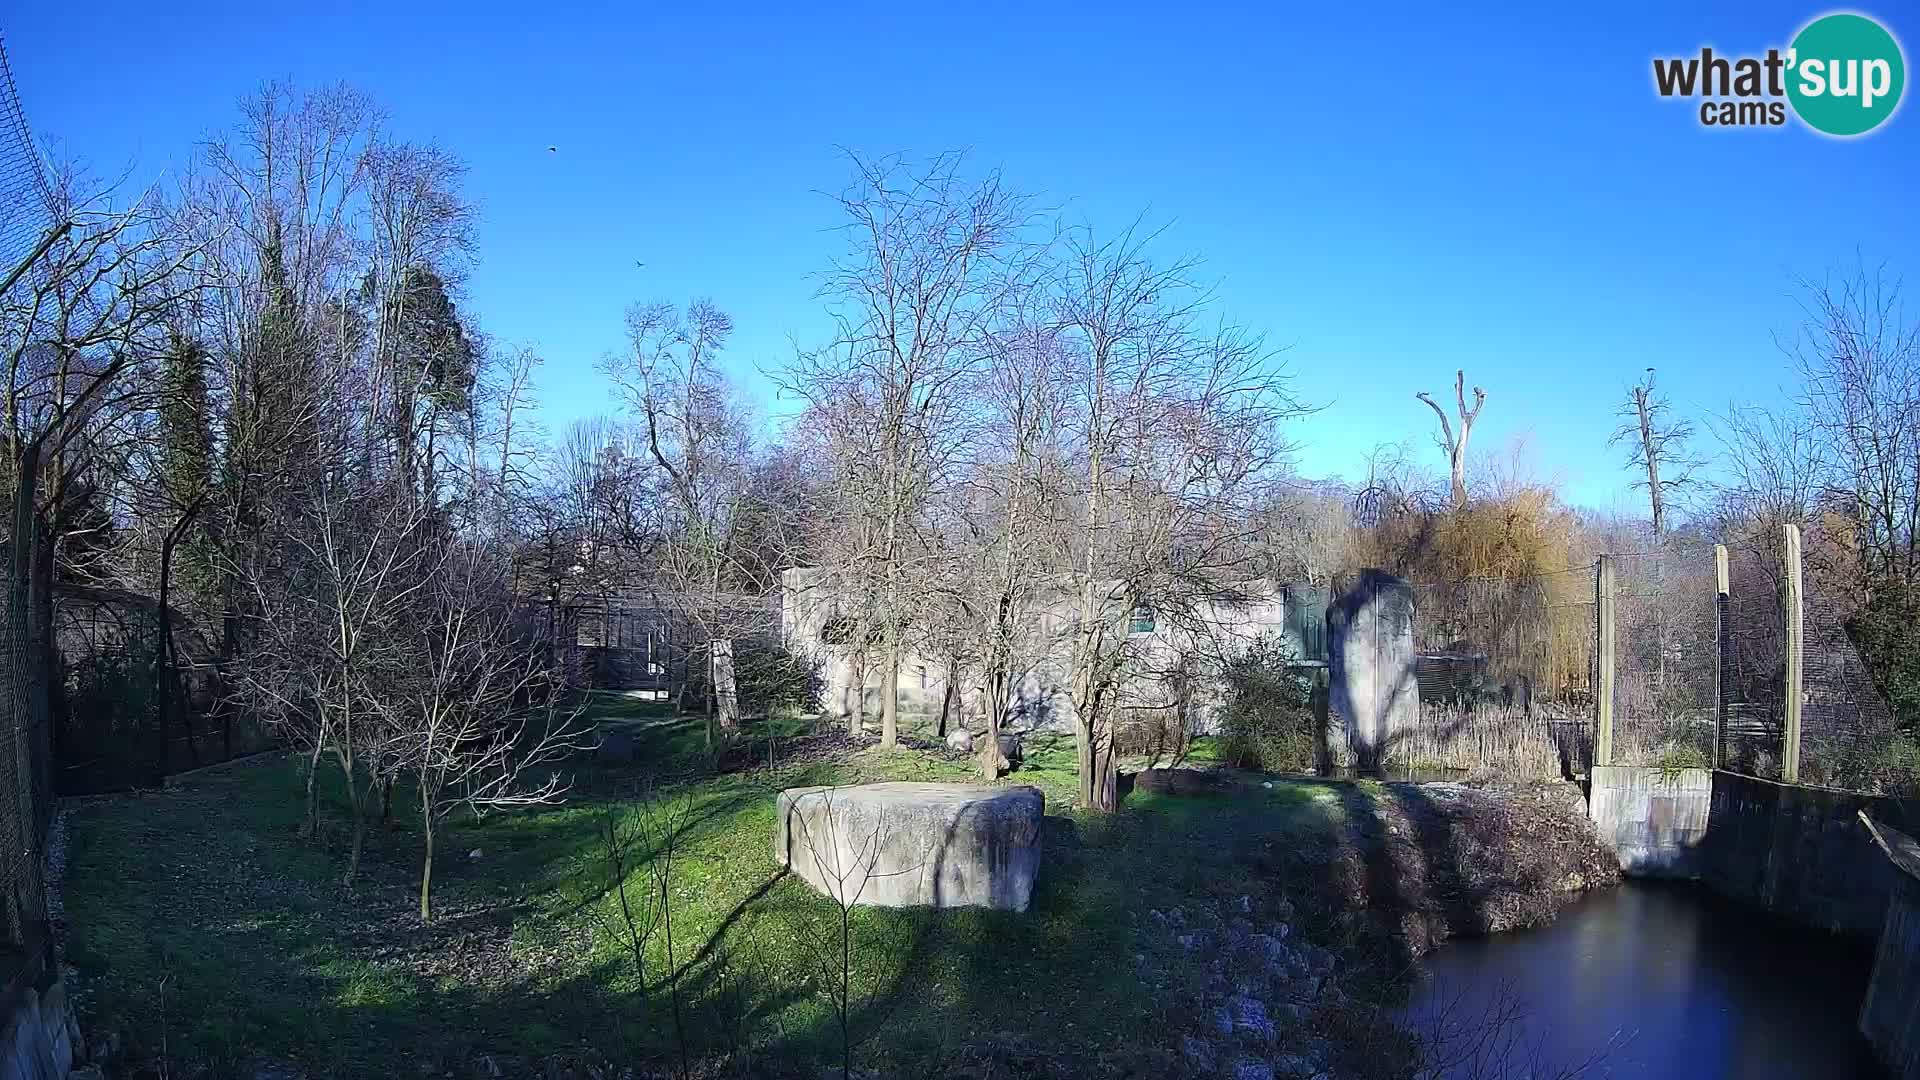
(1755, 649)
(1848, 733)
(26, 752)
(1665, 655)
(26, 199)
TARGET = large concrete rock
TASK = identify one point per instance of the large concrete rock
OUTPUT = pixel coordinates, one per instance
(1370, 663)
(908, 845)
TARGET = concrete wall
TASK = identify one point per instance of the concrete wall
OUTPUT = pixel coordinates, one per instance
(1890, 1016)
(1653, 821)
(810, 599)
(40, 1036)
(1798, 851)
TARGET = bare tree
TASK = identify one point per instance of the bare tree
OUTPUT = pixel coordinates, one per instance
(699, 438)
(1657, 446)
(931, 256)
(328, 656)
(482, 723)
(81, 319)
(1455, 443)
(1171, 440)
(1859, 361)
(845, 863)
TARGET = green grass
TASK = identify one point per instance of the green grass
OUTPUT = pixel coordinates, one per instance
(201, 919)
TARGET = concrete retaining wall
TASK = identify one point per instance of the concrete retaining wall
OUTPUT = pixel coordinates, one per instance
(1653, 820)
(40, 1037)
(1797, 851)
(1890, 1017)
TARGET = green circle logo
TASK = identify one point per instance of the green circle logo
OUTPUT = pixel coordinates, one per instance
(1845, 74)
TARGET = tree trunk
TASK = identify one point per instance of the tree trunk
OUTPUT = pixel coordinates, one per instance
(359, 843)
(725, 686)
(857, 709)
(161, 669)
(229, 646)
(992, 709)
(165, 675)
(26, 539)
(946, 699)
(311, 827)
(1099, 786)
(426, 861)
(890, 698)
(50, 691)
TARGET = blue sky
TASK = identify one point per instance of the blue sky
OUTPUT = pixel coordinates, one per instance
(1394, 193)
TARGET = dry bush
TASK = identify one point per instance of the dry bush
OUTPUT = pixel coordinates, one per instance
(1488, 740)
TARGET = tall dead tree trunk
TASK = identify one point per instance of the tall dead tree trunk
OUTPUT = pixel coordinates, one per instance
(1455, 444)
(1643, 417)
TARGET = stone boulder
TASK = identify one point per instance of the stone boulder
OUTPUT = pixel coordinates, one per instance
(1371, 663)
(913, 844)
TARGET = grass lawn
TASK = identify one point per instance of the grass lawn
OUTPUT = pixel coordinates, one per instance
(209, 935)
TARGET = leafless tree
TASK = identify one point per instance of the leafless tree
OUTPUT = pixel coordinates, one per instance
(845, 863)
(482, 723)
(1453, 443)
(328, 656)
(1171, 439)
(1858, 356)
(1657, 447)
(699, 438)
(82, 318)
(931, 256)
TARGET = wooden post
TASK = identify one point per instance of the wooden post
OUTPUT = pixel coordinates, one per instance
(1723, 664)
(1790, 751)
(1603, 661)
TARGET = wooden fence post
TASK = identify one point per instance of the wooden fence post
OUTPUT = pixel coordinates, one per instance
(1603, 661)
(1796, 643)
(1723, 662)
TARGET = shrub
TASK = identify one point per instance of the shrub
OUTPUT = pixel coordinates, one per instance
(1675, 757)
(1266, 719)
(770, 679)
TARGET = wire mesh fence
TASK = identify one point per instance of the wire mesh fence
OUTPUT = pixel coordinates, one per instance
(26, 748)
(1665, 662)
(1684, 656)
(1755, 657)
(26, 198)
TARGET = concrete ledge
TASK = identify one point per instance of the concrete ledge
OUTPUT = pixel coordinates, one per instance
(1655, 821)
(910, 845)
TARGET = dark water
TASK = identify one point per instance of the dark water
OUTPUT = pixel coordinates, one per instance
(1661, 981)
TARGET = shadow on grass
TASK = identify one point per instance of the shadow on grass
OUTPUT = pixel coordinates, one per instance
(262, 958)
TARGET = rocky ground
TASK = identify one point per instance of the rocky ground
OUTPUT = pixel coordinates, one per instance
(1301, 985)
